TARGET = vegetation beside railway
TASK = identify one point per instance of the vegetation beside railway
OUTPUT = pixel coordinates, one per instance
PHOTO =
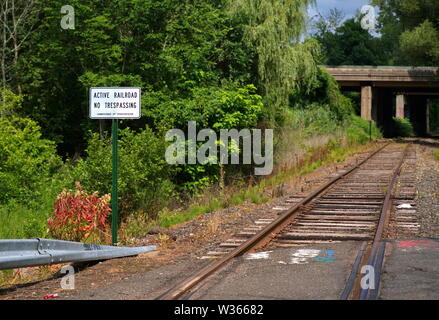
(208, 61)
(204, 60)
(33, 187)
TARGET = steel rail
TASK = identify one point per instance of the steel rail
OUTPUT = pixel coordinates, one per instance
(375, 259)
(264, 236)
(373, 294)
(376, 251)
(353, 275)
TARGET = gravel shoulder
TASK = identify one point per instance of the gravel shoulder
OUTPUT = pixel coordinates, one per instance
(428, 188)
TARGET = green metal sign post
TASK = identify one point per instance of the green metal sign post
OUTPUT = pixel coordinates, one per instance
(115, 103)
(114, 195)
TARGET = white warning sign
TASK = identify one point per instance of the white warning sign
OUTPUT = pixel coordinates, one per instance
(115, 103)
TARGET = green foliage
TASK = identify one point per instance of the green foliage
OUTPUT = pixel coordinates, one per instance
(144, 179)
(169, 48)
(10, 103)
(225, 107)
(312, 121)
(360, 131)
(274, 28)
(436, 154)
(421, 44)
(27, 218)
(20, 221)
(323, 91)
(195, 178)
(26, 160)
(410, 28)
(401, 128)
(31, 173)
(350, 44)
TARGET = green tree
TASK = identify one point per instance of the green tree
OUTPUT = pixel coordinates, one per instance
(275, 29)
(421, 45)
(166, 47)
(26, 160)
(324, 92)
(328, 23)
(17, 21)
(350, 44)
(413, 28)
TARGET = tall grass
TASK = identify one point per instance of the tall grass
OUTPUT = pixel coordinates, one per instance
(29, 220)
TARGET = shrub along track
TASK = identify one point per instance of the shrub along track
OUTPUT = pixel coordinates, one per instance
(186, 244)
(354, 205)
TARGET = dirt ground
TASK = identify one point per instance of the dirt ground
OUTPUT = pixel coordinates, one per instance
(191, 240)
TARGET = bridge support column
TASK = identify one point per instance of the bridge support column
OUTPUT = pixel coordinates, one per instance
(366, 102)
(400, 102)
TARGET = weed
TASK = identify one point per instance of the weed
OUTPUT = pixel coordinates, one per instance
(78, 215)
(213, 224)
(136, 225)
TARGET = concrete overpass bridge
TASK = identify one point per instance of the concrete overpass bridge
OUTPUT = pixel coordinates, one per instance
(391, 91)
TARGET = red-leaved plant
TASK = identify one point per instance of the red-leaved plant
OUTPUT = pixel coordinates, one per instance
(77, 215)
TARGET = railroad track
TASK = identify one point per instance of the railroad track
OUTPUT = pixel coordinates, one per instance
(365, 202)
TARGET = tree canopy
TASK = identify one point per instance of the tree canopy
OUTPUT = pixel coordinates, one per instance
(413, 27)
(348, 43)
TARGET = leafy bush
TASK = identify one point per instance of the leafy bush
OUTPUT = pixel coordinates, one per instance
(324, 92)
(225, 107)
(358, 130)
(401, 127)
(144, 173)
(144, 176)
(9, 102)
(78, 215)
(26, 160)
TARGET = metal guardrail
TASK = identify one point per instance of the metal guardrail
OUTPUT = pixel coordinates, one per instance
(38, 252)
